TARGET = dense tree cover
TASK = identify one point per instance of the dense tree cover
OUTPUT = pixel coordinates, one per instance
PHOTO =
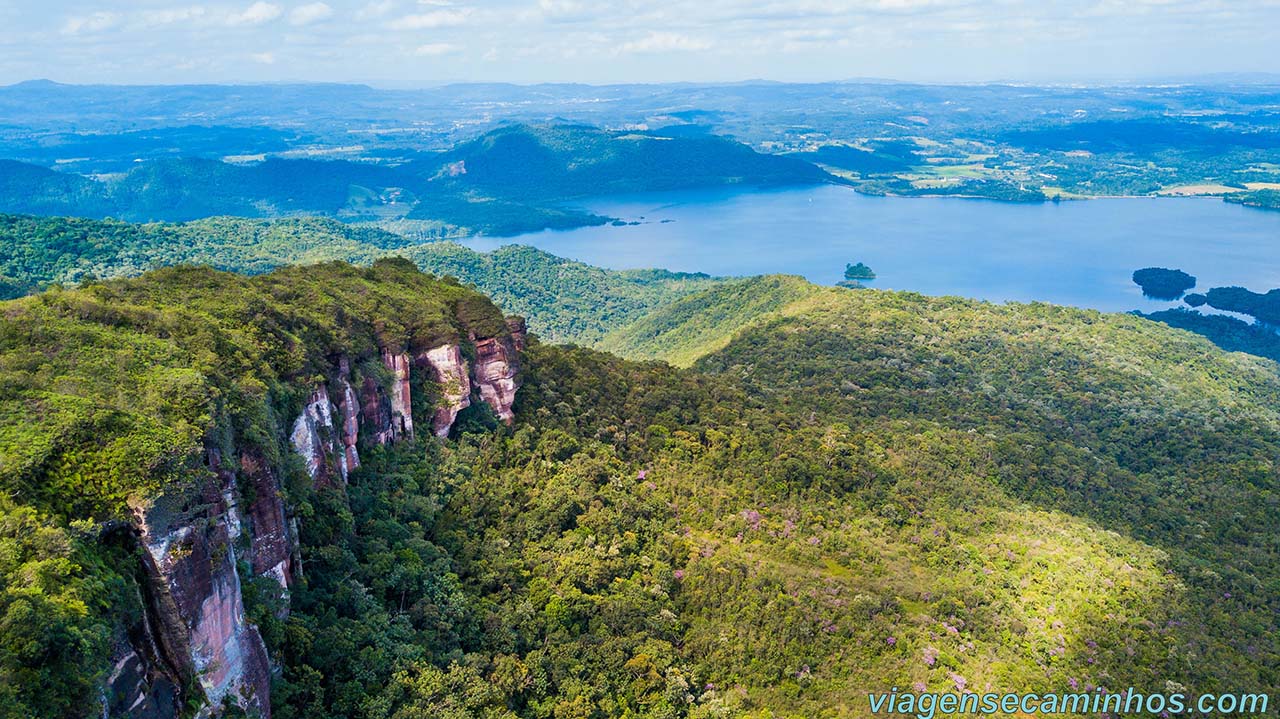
(109, 396)
(683, 330)
(858, 272)
(1163, 284)
(1264, 199)
(858, 490)
(159, 364)
(63, 593)
(878, 490)
(1226, 332)
(1264, 307)
(567, 301)
(38, 251)
(1179, 469)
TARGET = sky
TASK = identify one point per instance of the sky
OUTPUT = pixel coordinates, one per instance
(420, 43)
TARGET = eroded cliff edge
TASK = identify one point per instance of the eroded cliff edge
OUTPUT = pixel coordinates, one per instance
(271, 381)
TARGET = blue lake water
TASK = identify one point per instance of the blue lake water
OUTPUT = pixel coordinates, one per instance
(1075, 253)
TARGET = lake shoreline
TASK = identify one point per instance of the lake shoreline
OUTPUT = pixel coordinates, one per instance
(1079, 254)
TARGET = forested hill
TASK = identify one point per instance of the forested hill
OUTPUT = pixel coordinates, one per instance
(566, 301)
(578, 161)
(856, 490)
(513, 179)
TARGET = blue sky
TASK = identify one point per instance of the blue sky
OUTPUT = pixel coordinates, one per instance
(412, 43)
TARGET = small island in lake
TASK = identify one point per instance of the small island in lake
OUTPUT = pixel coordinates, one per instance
(1163, 284)
(855, 275)
(858, 272)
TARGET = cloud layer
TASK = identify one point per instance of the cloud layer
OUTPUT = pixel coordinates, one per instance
(416, 42)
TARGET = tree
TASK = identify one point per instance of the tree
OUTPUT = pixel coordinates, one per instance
(858, 272)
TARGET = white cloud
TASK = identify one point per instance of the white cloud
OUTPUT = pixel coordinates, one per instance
(310, 13)
(119, 40)
(255, 14)
(430, 20)
(96, 22)
(568, 10)
(664, 42)
(436, 49)
(170, 16)
(264, 58)
(375, 10)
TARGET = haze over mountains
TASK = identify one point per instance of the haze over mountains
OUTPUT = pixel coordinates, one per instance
(509, 180)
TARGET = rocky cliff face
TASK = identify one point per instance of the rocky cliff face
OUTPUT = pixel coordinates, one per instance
(195, 606)
(350, 408)
(195, 631)
(401, 404)
(495, 374)
(315, 439)
(272, 547)
(450, 372)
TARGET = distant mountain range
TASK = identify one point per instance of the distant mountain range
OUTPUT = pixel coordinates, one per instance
(1013, 142)
(513, 179)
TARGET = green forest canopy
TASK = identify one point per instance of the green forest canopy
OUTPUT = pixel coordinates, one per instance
(863, 490)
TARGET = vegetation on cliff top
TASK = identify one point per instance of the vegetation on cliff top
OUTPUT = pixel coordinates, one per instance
(109, 397)
(157, 365)
(849, 491)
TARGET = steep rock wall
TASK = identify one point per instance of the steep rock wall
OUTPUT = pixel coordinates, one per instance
(272, 544)
(195, 630)
(449, 370)
(495, 374)
(349, 408)
(401, 400)
(315, 437)
(196, 598)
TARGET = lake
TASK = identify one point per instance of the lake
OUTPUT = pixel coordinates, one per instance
(1080, 253)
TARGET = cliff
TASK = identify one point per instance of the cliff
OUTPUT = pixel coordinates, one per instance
(211, 509)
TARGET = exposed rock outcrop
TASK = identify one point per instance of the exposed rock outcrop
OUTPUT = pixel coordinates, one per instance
(519, 332)
(314, 438)
(449, 370)
(271, 537)
(196, 598)
(375, 412)
(146, 672)
(401, 402)
(195, 632)
(349, 407)
(495, 373)
(134, 691)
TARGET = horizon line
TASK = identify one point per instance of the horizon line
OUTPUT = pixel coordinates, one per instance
(1239, 78)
